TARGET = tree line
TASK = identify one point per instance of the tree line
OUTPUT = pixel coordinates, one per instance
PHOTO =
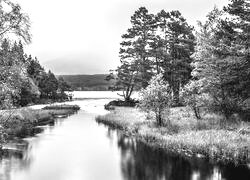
(22, 79)
(208, 67)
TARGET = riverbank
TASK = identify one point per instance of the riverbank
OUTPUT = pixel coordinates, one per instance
(210, 137)
(22, 122)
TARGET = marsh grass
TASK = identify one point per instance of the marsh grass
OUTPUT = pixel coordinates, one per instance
(62, 107)
(22, 121)
(211, 136)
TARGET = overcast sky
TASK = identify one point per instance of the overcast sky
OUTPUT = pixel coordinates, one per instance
(83, 36)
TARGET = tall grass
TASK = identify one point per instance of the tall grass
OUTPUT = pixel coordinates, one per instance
(211, 136)
(20, 122)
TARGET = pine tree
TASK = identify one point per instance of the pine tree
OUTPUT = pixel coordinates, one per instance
(175, 44)
(135, 45)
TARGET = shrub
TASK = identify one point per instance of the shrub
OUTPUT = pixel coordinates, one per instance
(156, 98)
(128, 103)
(193, 97)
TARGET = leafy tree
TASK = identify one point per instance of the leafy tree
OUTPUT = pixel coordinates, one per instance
(35, 70)
(63, 85)
(221, 61)
(49, 86)
(126, 78)
(29, 93)
(193, 96)
(11, 80)
(156, 97)
(14, 21)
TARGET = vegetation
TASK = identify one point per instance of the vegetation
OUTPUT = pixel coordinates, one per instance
(209, 74)
(111, 105)
(62, 106)
(228, 141)
(161, 43)
(156, 97)
(22, 122)
(82, 82)
(221, 61)
(23, 80)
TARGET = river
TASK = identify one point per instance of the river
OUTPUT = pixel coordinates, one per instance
(78, 148)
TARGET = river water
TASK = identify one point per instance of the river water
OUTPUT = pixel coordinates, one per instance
(78, 148)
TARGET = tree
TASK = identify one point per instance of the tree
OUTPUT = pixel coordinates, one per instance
(14, 21)
(135, 69)
(156, 97)
(13, 69)
(126, 78)
(49, 86)
(35, 70)
(193, 96)
(11, 81)
(222, 61)
(175, 40)
(62, 87)
(135, 45)
(234, 34)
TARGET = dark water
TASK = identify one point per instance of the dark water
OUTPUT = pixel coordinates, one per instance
(77, 148)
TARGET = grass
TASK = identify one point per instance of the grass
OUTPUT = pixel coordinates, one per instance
(212, 136)
(21, 122)
(62, 107)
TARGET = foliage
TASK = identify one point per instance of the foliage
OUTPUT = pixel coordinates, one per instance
(211, 141)
(134, 51)
(222, 59)
(193, 96)
(156, 97)
(174, 42)
(22, 78)
(48, 85)
(126, 79)
(161, 43)
(13, 21)
(95, 82)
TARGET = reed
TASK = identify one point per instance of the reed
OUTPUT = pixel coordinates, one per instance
(184, 134)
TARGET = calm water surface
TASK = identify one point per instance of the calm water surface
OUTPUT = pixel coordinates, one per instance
(77, 148)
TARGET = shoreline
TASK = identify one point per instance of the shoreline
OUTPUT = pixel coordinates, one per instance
(206, 143)
(23, 122)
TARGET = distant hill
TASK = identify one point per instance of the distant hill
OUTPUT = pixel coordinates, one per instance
(94, 82)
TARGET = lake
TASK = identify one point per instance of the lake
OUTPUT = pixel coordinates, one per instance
(78, 148)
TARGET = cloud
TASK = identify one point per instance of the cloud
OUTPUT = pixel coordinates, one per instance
(90, 30)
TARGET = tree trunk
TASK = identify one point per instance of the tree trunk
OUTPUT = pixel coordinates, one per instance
(197, 112)
(176, 95)
(158, 119)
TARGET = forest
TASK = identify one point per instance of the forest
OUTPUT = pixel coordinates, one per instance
(174, 64)
(23, 80)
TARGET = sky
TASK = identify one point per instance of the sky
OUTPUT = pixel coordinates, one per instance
(83, 36)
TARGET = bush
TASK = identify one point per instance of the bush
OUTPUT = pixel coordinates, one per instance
(193, 97)
(120, 103)
(156, 98)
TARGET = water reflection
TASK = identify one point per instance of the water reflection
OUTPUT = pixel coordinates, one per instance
(14, 156)
(77, 148)
(139, 161)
